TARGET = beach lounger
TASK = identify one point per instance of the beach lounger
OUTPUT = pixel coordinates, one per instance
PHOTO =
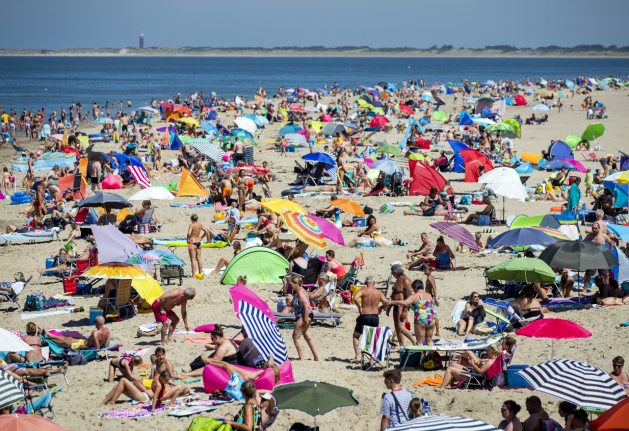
(375, 345)
(30, 237)
(13, 298)
(38, 406)
(63, 273)
(89, 355)
(335, 318)
(122, 299)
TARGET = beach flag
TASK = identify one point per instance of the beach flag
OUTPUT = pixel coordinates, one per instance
(189, 185)
(263, 331)
(140, 176)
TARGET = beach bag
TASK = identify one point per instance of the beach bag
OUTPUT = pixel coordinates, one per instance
(208, 424)
(233, 387)
(74, 357)
(33, 303)
(431, 361)
(367, 210)
(484, 220)
(483, 328)
(466, 200)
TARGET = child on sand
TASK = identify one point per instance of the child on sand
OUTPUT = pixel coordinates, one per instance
(589, 179)
(165, 389)
(125, 365)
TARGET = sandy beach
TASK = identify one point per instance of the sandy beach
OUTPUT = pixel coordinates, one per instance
(79, 404)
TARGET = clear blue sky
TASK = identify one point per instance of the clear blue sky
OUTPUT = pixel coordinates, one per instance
(44, 24)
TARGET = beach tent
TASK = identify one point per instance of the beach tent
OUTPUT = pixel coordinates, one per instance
(524, 168)
(67, 182)
(520, 100)
(190, 186)
(473, 160)
(465, 119)
(560, 150)
(330, 129)
(259, 264)
(317, 126)
(424, 177)
(172, 115)
(459, 164)
(547, 220)
(515, 125)
(439, 116)
(624, 161)
(211, 115)
(485, 112)
(531, 158)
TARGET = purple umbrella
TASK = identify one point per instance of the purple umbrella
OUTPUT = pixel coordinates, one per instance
(329, 231)
(240, 292)
(377, 104)
(576, 164)
(163, 129)
(457, 233)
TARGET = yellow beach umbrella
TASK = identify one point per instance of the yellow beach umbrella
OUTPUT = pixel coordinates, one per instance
(281, 206)
(148, 289)
(116, 271)
(624, 178)
(188, 120)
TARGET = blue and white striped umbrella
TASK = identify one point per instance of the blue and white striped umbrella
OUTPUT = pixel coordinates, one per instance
(444, 423)
(296, 138)
(263, 331)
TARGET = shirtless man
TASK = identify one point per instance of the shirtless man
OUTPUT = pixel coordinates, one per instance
(618, 374)
(431, 289)
(196, 232)
(598, 237)
(312, 137)
(124, 120)
(427, 248)
(39, 208)
(537, 413)
(95, 173)
(163, 310)
(97, 339)
(368, 311)
(486, 211)
(401, 291)
(239, 150)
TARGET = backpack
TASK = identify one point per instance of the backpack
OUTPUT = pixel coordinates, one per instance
(431, 361)
(32, 303)
(208, 424)
(74, 357)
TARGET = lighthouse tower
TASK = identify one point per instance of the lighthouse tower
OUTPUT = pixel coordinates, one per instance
(141, 40)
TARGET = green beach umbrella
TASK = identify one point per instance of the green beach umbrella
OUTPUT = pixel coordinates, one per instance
(391, 149)
(515, 124)
(439, 116)
(500, 126)
(593, 131)
(523, 269)
(313, 398)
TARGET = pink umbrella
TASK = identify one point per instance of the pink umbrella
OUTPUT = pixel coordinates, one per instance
(240, 292)
(328, 229)
(554, 329)
(576, 164)
(369, 162)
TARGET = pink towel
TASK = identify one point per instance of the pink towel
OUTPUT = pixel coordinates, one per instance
(208, 340)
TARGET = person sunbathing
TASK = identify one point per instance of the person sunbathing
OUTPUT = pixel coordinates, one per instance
(97, 339)
(473, 314)
(426, 248)
(433, 205)
(611, 290)
(441, 248)
(223, 262)
(18, 371)
(31, 338)
(65, 258)
(246, 374)
(454, 372)
(225, 350)
(529, 306)
(166, 387)
(373, 233)
(551, 197)
(610, 301)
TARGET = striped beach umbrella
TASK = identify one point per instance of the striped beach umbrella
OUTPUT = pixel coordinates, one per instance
(576, 382)
(400, 161)
(210, 150)
(296, 138)
(457, 233)
(443, 423)
(11, 390)
(305, 228)
(263, 331)
(552, 232)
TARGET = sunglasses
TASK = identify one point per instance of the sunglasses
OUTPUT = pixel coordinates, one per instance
(475, 296)
(617, 366)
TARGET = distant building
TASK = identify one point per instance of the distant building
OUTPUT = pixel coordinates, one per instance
(141, 40)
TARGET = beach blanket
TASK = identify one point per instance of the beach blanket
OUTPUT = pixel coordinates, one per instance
(192, 410)
(209, 402)
(29, 236)
(26, 316)
(136, 412)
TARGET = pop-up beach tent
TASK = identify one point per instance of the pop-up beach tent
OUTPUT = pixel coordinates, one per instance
(259, 264)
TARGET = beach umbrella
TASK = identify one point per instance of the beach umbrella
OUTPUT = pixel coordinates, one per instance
(149, 110)
(196, 141)
(155, 257)
(240, 292)
(20, 422)
(593, 131)
(103, 121)
(505, 182)
(614, 419)
(577, 165)
(348, 206)
(188, 120)
(443, 423)
(10, 342)
(100, 199)
(305, 229)
(11, 391)
(152, 193)
(319, 157)
(246, 124)
(330, 231)
(620, 231)
(242, 132)
(554, 329)
(457, 233)
(280, 206)
(391, 149)
(557, 165)
(387, 166)
(296, 138)
(116, 271)
(616, 176)
(231, 139)
(574, 381)
(522, 269)
(578, 255)
(540, 108)
(210, 150)
(521, 237)
(552, 232)
(313, 398)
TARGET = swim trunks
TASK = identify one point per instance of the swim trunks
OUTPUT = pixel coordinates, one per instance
(366, 320)
(311, 142)
(601, 272)
(159, 317)
(227, 191)
(77, 345)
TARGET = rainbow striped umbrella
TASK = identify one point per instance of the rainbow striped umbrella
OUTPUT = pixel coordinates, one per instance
(400, 161)
(552, 232)
(457, 233)
(116, 271)
(305, 228)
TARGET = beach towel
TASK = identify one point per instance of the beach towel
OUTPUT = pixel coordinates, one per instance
(375, 341)
(135, 412)
(140, 352)
(430, 381)
(192, 410)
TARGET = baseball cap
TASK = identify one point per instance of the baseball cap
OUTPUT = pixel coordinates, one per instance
(397, 268)
(267, 396)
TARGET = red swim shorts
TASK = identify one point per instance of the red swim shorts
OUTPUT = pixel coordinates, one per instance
(159, 317)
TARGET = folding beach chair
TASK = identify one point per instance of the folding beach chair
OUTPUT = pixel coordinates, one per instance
(493, 377)
(494, 288)
(122, 299)
(375, 345)
(453, 214)
(62, 273)
(316, 178)
(145, 226)
(70, 284)
(13, 298)
(42, 405)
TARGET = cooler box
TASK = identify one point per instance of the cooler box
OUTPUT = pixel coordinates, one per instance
(94, 313)
(514, 380)
(50, 262)
(414, 359)
(359, 221)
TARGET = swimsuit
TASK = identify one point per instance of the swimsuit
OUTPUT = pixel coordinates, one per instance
(366, 320)
(227, 191)
(298, 309)
(424, 312)
(77, 345)
(159, 317)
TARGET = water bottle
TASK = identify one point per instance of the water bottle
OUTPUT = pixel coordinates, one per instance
(426, 410)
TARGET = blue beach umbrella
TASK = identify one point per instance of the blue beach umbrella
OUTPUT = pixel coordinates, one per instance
(319, 157)
(540, 107)
(242, 132)
(388, 166)
(521, 237)
(556, 165)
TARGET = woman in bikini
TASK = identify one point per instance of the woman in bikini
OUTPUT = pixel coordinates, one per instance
(196, 232)
(241, 186)
(421, 303)
(33, 339)
(530, 306)
(125, 365)
(223, 262)
(303, 316)
(473, 314)
(441, 249)
(372, 233)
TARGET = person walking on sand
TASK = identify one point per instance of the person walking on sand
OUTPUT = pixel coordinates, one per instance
(303, 315)
(95, 171)
(401, 291)
(196, 232)
(163, 311)
(368, 300)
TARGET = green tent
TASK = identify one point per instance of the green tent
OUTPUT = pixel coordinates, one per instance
(259, 264)
(515, 125)
(572, 141)
(439, 116)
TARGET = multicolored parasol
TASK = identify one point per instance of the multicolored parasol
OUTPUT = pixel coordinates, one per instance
(457, 233)
(116, 271)
(155, 257)
(552, 232)
(305, 228)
